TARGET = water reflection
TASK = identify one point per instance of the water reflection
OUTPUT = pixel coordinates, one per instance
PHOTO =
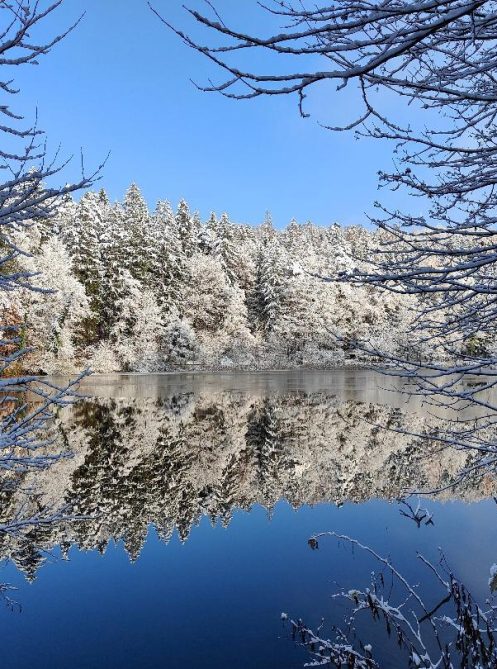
(170, 457)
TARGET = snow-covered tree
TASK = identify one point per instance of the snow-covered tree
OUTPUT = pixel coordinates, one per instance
(225, 246)
(271, 272)
(52, 318)
(136, 337)
(136, 230)
(188, 227)
(167, 258)
(179, 342)
(216, 309)
(82, 230)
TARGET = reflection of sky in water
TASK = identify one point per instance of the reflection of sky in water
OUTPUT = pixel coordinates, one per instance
(215, 600)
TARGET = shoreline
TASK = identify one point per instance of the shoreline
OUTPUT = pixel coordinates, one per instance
(220, 371)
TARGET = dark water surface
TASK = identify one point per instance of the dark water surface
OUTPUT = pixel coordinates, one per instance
(201, 492)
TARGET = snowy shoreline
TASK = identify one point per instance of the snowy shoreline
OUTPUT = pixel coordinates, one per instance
(227, 370)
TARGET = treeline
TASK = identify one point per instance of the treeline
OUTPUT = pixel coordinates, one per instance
(145, 291)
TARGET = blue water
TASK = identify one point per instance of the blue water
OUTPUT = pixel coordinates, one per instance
(216, 599)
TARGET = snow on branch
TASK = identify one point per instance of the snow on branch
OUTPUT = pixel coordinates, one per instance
(454, 631)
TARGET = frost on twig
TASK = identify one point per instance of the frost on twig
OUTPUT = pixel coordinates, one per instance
(418, 514)
(451, 631)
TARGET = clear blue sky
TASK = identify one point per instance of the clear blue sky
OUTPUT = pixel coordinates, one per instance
(121, 83)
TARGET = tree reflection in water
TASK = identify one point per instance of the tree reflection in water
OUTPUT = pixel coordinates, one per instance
(170, 461)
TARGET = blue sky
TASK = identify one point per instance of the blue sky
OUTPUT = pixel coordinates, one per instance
(121, 83)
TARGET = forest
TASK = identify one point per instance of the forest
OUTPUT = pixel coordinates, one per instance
(124, 289)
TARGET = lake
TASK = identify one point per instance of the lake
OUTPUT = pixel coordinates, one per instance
(196, 496)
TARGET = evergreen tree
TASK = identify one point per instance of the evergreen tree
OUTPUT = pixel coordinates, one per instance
(267, 231)
(188, 227)
(139, 241)
(117, 281)
(84, 235)
(207, 235)
(292, 238)
(264, 303)
(225, 247)
(167, 258)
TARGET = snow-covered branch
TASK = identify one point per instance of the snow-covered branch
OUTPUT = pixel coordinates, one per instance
(455, 631)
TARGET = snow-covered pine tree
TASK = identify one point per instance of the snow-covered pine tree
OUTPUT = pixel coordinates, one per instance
(207, 235)
(188, 226)
(167, 258)
(140, 244)
(271, 270)
(267, 230)
(225, 246)
(116, 280)
(83, 234)
(291, 238)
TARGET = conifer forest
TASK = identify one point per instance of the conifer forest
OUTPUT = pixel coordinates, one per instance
(142, 291)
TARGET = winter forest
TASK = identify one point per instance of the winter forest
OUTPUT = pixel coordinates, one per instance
(126, 289)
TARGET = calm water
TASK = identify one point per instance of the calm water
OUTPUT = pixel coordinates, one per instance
(201, 493)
